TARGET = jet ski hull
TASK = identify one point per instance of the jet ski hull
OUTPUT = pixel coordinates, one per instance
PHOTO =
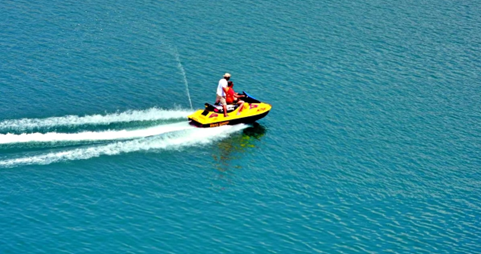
(250, 113)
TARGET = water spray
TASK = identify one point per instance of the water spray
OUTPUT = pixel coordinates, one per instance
(181, 68)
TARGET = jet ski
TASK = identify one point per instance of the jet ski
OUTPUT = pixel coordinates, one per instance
(213, 115)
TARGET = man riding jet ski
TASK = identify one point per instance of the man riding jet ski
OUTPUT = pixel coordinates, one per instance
(229, 107)
(249, 111)
(222, 91)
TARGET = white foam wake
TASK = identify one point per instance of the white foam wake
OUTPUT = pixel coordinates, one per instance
(173, 140)
(92, 136)
(151, 114)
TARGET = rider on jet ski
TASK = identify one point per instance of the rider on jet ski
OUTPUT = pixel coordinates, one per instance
(233, 98)
(221, 92)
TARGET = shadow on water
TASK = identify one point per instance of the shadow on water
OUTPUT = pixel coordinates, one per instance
(229, 150)
(228, 154)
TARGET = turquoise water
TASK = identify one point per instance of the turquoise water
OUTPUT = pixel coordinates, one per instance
(373, 143)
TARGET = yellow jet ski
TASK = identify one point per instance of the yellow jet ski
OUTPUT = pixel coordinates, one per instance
(213, 115)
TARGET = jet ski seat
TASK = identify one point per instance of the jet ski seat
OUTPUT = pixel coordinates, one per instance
(219, 109)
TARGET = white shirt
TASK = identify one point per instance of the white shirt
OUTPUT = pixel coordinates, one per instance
(222, 83)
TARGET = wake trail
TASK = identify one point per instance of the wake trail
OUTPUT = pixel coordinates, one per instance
(92, 136)
(175, 140)
(151, 114)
